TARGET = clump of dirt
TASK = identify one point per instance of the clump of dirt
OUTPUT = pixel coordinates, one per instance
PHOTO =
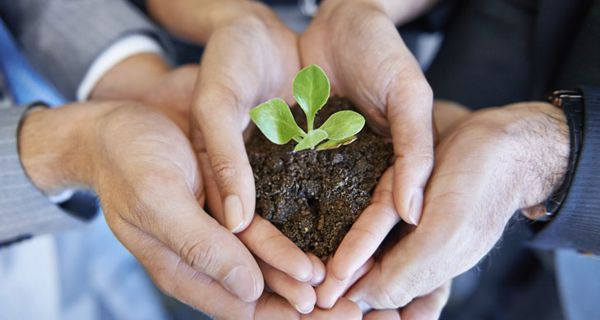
(314, 197)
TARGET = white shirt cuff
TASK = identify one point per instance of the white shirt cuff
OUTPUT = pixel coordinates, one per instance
(119, 51)
(61, 197)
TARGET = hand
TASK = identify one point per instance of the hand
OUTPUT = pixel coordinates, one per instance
(357, 44)
(246, 61)
(147, 78)
(493, 163)
(354, 256)
(271, 306)
(426, 307)
(250, 56)
(353, 259)
(144, 170)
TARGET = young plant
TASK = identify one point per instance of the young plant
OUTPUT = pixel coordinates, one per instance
(311, 90)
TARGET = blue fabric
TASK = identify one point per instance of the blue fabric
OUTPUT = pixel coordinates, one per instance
(81, 274)
(27, 86)
(24, 84)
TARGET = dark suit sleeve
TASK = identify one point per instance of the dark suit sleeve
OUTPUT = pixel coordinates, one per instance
(62, 38)
(577, 224)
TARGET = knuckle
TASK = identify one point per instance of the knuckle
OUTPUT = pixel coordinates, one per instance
(200, 255)
(393, 298)
(223, 168)
(361, 235)
(140, 213)
(424, 89)
(414, 163)
(218, 97)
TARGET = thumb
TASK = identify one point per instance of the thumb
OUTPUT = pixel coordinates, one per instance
(202, 243)
(410, 117)
(222, 140)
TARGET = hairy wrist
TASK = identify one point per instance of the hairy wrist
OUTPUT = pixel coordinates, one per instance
(537, 136)
(56, 146)
(549, 132)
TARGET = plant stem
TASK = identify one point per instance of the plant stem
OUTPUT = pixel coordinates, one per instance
(310, 119)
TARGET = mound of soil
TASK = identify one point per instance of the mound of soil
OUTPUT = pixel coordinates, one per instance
(314, 197)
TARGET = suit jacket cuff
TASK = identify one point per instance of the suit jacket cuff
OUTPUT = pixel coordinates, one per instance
(577, 224)
(24, 210)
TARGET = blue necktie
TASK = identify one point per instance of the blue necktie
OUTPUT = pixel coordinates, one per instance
(22, 81)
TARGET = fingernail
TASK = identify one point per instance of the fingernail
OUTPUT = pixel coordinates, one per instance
(234, 213)
(317, 279)
(306, 277)
(318, 272)
(305, 309)
(241, 282)
(415, 206)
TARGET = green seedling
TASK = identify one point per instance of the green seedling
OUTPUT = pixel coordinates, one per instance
(311, 90)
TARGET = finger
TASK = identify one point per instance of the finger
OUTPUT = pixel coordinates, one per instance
(177, 279)
(367, 233)
(221, 127)
(332, 289)
(269, 244)
(272, 306)
(409, 113)
(301, 295)
(261, 237)
(391, 314)
(343, 309)
(318, 270)
(198, 239)
(427, 307)
(436, 251)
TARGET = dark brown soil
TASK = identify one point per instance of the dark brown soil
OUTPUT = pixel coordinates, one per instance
(314, 197)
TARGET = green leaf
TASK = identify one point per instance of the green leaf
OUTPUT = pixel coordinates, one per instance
(311, 90)
(343, 124)
(275, 120)
(312, 139)
(333, 144)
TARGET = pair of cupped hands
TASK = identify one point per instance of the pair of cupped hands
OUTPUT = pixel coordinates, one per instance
(180, 148)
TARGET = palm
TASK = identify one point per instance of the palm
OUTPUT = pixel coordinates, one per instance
(366, 59)
(359, 47)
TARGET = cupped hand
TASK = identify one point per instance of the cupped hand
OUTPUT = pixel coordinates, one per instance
(148, 79)
(357, 44)
(490, 165)
(364, 242)
(146, 176)
(247, 61)
(355, 257)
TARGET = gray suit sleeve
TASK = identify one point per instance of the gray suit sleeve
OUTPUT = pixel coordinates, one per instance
(62, 38)
(24, 210)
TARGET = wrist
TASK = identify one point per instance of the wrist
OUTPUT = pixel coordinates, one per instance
(131, 78)
(197, 20)
(57, 147)
(541, 151)
(398, 11)
(331, 8)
